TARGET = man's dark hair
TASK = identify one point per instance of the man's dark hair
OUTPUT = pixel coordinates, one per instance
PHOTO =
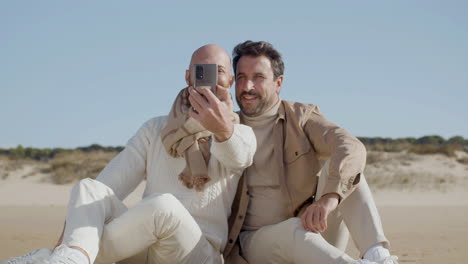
(257, 49)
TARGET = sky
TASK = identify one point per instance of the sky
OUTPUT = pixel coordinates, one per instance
(75, 73)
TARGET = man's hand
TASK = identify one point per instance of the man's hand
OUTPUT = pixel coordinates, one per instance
(314, 218)
(223, 94)
(214, 114)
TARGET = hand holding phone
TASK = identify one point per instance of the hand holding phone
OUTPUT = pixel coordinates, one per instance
(212, 113)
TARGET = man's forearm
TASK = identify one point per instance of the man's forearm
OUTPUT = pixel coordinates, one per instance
(236, 152)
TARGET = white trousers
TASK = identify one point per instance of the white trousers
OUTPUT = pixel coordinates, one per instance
(157, 230)
(289, 242)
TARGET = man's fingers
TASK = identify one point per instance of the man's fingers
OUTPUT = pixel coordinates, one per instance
(212, 99)
(223, 93)
(303, 220)
(193, 114)
(316, 220)
(198, 98)
(194, 103)
(323, 220)
(320, 224)
(309, 220)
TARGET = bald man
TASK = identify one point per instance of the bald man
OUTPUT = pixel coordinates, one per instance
(174, 223)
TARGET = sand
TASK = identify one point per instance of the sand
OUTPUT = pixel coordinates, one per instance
(419, 234)
(426, 234)
(424, 225)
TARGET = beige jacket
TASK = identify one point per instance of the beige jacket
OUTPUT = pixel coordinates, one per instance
(304, 137)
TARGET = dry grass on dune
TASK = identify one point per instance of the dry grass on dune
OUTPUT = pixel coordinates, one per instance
(76, 165)
(64, 168)
(384, 170)
(19, 169)
(404, 170)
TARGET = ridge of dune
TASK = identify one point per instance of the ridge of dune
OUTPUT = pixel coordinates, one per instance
(395, 178)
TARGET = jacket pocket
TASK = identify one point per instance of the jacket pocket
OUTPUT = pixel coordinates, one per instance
(292, 153)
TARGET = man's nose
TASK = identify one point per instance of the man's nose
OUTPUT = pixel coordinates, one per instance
(249, 85)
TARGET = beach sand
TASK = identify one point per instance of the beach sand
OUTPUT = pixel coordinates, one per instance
(425, 234)
(32, 214)
(423, 227)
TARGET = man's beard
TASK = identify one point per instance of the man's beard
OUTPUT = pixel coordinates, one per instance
(257, 110)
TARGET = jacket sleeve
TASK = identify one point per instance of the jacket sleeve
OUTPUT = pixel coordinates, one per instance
(237, 152)
(128, 168)
(346, 153)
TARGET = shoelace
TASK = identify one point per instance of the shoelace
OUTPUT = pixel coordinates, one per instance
(25, 257)
(62, 260)
(391, 260)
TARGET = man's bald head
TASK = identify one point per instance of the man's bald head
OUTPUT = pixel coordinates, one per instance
(213, 54)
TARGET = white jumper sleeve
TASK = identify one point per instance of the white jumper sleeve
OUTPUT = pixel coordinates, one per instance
(237, 152)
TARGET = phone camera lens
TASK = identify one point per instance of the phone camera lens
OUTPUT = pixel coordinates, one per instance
(199, 72)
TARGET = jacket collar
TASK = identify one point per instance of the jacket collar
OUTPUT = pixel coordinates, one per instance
(281, 112)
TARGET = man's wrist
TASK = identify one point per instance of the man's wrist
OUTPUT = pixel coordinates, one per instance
(224, 135)
(331, 197)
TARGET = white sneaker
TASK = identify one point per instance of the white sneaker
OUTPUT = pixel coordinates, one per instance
(389, 260)
(380, 255)
(364, 261)
(65, 255)
(31, 257)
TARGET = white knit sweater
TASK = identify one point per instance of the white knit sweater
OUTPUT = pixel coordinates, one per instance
(144, 157)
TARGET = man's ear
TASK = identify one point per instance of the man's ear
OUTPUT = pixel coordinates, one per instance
(231, 80)
(187, 77)
(279, 82)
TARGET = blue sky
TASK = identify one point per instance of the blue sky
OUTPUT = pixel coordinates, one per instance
(74, 73)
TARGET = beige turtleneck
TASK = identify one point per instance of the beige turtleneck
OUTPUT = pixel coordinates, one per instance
(267, 203)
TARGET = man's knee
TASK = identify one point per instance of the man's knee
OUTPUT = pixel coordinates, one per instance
(166, 216)
(165, 203)
(88, 184)
(293, 223)
(90, 189)
(274, 243)
(287, 229)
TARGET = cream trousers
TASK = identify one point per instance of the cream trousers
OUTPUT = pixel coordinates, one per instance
(157, 230)
(289, 242)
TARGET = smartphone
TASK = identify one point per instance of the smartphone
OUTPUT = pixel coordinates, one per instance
(205, 75)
